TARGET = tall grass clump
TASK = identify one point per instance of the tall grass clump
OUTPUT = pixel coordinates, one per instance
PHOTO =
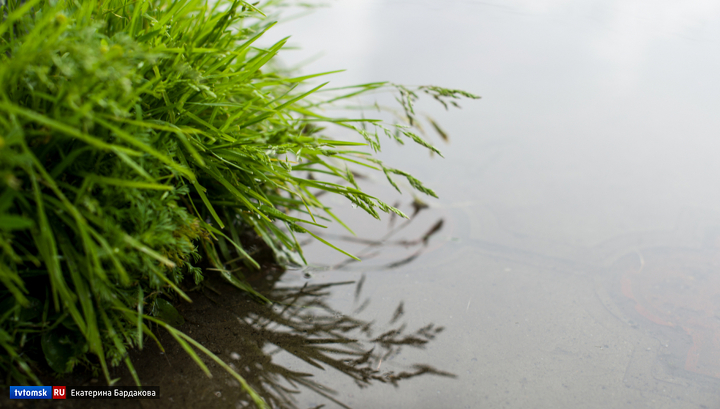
(141, 142)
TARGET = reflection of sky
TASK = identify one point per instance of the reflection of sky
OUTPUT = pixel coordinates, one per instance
(597, 136)
(621, 32)
(589, 108)
(598, 128)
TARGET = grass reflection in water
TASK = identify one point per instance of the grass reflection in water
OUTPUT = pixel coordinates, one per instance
(301, 322)
(308, 328)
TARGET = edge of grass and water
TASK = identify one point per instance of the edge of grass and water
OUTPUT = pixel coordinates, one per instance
(141, 143)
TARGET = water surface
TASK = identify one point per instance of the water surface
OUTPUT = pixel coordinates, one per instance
(590, 163)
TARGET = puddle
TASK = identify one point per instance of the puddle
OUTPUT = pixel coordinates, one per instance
(434, 315)
(591, 161)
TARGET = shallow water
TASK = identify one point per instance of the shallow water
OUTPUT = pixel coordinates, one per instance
(575, 263)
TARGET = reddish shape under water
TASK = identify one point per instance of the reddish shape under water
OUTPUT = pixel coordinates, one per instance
(681, 289)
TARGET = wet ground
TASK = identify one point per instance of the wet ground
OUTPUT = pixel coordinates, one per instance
(573, 255)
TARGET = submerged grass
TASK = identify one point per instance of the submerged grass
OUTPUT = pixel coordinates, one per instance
(140, 142)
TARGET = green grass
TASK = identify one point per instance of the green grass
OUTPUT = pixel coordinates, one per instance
(140, 142)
